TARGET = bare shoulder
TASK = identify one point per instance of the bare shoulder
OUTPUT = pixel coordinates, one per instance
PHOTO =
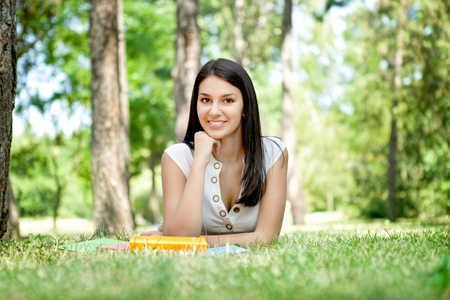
(170, 167)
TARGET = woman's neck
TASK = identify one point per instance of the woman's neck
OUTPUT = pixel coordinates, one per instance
(231, 150)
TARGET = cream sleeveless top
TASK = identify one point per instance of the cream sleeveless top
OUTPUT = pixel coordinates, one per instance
(216, 219)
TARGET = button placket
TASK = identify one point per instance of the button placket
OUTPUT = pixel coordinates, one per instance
(215, 195)
(214, 178)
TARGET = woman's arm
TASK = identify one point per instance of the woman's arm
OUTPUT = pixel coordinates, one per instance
(271, 211)
(182, 212)
(183, 199)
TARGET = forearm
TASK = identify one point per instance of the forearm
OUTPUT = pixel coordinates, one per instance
(187, 217)
(242, 239)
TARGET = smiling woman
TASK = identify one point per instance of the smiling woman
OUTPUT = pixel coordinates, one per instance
(225, 181)
(220, 108)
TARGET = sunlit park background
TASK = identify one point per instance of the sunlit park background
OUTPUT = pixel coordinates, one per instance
(359, 90)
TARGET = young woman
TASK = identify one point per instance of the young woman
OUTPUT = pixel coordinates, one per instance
(225, 182)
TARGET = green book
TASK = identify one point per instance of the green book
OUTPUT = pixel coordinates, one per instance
(88, 246)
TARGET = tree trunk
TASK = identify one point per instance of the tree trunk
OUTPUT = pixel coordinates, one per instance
(53, 153)
(123, 87)
(153, 204)
(8, 83)
(13, 220)
(59, 191)
(124, 101)
(112, 209)
(393, 141)
(330, 201)
(240, 44)
(187, 61)
(289, 134)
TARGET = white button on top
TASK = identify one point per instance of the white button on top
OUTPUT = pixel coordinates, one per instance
(222, 213)
(214, 179)
(216, 165)
(216, 198)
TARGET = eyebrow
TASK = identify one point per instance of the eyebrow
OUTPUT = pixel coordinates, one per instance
(225, 95)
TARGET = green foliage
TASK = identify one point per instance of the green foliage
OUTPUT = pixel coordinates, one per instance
(421, 114)
(359, 263)
(261, 29)
(150, 37)
(150, 54)
(40, 164)
(55, 35)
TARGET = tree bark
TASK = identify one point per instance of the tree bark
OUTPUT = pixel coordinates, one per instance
(8, 83)
(123, 87)
(240, 44)
(153, 203)
(187, 61)
(13, 220)
(112, 209)
(124, 100)
(289, 134)
(59, 191)
(393, 140)
(59, 183)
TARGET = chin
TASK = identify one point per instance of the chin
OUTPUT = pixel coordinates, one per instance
(216, 136)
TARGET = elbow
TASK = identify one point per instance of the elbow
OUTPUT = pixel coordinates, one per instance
(265, 237)
(183, 231)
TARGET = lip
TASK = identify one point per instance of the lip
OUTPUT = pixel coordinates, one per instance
(216, 123)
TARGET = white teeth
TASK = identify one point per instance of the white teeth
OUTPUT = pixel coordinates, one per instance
(215, 123)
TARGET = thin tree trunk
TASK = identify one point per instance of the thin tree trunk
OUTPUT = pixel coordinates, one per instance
(58, 184)
(153, 204)
(124, 101)
(8, 83)
(289, 134)
(240, 44)
(330, 201)
(187, 61)
(59, 190)
(13, 220)
(393, 141)
(112, 209)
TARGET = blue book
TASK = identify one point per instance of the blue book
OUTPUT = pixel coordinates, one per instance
(225, 250)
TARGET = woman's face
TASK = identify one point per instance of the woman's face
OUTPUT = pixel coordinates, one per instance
(220, 107)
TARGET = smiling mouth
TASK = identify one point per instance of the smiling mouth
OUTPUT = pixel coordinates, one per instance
(216, 123)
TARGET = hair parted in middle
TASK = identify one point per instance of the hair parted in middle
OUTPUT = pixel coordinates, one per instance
(253, 177)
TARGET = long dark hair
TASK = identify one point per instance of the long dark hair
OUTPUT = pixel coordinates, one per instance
(253, 177)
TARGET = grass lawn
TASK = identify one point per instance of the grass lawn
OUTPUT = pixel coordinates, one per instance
(368, 262)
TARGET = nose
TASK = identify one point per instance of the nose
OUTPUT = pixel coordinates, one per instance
(215, 109)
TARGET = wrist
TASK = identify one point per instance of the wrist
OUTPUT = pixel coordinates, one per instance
(200, 163)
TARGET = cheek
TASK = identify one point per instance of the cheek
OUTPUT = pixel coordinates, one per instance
(201, 113)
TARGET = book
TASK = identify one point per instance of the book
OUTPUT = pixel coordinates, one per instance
(175, 243)
(124, 246)
(225, 250)
(89, 246)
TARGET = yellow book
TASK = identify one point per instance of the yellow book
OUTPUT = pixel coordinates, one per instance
(174, 243)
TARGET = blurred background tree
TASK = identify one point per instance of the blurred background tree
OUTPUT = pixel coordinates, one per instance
(343, 86)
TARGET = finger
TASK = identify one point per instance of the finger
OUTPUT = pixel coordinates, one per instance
(216, 147)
